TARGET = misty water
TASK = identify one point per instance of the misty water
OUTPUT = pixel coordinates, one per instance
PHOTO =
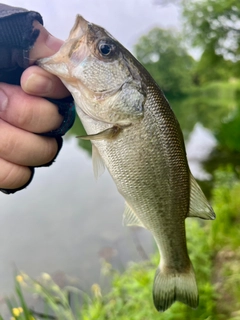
(64, 223)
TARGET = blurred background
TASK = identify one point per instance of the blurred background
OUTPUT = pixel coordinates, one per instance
(66, 223)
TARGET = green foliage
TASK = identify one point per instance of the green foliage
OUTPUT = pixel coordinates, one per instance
(226, 231)
(163, 54)
(130, 297)
(225, 240)
(221, 114)
(228, 134)
(214, 27)
(18, 307)
(213, 67)
(57, 302)
(213, 104)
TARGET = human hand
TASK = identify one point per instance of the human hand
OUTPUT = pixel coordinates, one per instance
(24, 112)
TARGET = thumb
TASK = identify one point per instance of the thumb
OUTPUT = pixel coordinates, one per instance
(45, 45)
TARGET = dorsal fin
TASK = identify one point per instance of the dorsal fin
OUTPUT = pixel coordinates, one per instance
(98, 164)
(199, 206)
(130, 218)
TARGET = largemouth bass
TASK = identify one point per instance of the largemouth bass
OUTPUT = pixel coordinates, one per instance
(135, 134)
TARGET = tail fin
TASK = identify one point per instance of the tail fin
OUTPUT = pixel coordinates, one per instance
(171, 287)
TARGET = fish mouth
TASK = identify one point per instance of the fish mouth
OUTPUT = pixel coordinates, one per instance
(58, 64)
(79, 29)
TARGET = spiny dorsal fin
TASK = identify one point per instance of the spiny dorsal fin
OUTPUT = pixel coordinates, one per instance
(130, 218)
(98, 164)
(199, 206)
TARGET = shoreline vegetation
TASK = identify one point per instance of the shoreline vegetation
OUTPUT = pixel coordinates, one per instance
(214, 251)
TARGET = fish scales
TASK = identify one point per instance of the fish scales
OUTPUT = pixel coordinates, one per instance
(135, 134)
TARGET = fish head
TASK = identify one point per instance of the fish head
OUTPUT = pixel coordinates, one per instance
(100, 73)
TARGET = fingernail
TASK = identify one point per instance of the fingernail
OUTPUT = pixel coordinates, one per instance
(38, 84)
(3, 101)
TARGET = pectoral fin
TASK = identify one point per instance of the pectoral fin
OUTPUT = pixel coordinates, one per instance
(130, 218)
(108, 134)
(98, 164)
(199, 206)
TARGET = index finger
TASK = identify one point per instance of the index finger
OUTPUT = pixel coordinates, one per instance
(45, 45)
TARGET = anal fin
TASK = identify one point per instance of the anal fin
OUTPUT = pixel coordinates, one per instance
(130, 218)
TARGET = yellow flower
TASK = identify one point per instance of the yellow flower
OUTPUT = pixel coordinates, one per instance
(96, 290)
(106, 268)
(12, 318)
(20, 309)
(16, 312)
(19, 278)
(46, 276)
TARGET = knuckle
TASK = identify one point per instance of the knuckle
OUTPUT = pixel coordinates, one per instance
(24, 118)
(7, 145)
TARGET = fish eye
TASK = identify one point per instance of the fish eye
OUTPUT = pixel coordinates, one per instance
(106, 49)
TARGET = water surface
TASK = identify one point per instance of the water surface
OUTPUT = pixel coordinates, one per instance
(64, 222)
